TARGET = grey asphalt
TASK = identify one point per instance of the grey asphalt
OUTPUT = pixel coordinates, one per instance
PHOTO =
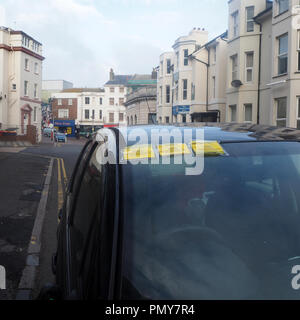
(69, 152)
(22, 177)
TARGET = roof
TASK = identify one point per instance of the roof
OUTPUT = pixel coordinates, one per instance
(78, 90)
(222, 36)
(141, 79)
(228, 132)
(269, 8)
(119, 80)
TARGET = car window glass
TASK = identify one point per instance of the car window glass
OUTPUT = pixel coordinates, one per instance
(92, 228)
(80, 166)
(232, 232)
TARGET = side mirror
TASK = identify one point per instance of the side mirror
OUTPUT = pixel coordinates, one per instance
(50, 292)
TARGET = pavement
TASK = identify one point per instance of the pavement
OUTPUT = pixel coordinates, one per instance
(22, 175)
(15, 144)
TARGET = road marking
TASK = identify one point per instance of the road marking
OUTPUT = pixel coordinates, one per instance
(64, 173)
(59, 189)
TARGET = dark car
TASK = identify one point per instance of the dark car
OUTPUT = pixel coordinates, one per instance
(150, 231)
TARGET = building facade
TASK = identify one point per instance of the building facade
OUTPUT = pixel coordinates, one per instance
(263, 79)
(140, 101)
(208, 92)
(115, 97)
(20, 81)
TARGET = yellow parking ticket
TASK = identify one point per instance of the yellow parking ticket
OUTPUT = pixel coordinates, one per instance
(209, 148)
(172, 149)
(142, 151)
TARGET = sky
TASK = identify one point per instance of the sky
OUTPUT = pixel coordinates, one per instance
(83, 39)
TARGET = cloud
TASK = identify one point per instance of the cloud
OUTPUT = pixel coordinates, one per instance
(83, 39)
(2, 16)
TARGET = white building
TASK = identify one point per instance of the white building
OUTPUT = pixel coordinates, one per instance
(20, 81)
(263, 79)
(115, 97)
(174, 97)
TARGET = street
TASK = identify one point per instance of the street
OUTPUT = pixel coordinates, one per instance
(24, 170)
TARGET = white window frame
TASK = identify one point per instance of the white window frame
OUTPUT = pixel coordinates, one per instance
(249, 20)
(298, 50)
(235, 24)
(35, 90)
(26, 85)
(282, 55)
(59, 102)
(168, 95)
(70, 102)
(35, 114)
(245, 106)
(214, 87)
(185, 57)
(234, 67)
(278, 6)
(298, 113)
(249, 68)
(85, 117)
(26, 64)
(231, 108)
(281, 119)
(87, 99)
(185, 90)
(63, 113)
(36, 68)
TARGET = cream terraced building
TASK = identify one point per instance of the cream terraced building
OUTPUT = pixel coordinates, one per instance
(249, 74)
(20, 81)
(263, 78)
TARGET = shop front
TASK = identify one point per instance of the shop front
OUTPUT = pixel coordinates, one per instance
(66, 126)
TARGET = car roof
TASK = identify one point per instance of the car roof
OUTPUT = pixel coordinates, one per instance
(223, 132)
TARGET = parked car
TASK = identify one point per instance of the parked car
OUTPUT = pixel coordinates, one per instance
(60, 137)
(47, 132)
(150, 231)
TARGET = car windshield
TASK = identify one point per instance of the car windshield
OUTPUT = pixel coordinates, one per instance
(232, 232)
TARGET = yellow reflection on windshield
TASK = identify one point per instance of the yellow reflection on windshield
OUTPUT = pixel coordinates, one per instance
(209, 148)
(173, 149)
(139, 152)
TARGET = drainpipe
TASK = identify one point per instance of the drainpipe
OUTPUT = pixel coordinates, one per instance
(259, 72)
(207, 66)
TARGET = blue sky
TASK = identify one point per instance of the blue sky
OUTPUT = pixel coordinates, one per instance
(83, 39)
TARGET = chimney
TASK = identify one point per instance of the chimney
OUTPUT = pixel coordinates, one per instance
(111, 75)
(154, 74)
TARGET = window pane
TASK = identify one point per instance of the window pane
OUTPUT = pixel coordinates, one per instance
(233, 113)
(249, 60)
(298, 124)
(282, 64)
(283, 5)
(250, 12)
(249, 75)
(283, 44)
(281, 123)
(281, 108)
(248, 112)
